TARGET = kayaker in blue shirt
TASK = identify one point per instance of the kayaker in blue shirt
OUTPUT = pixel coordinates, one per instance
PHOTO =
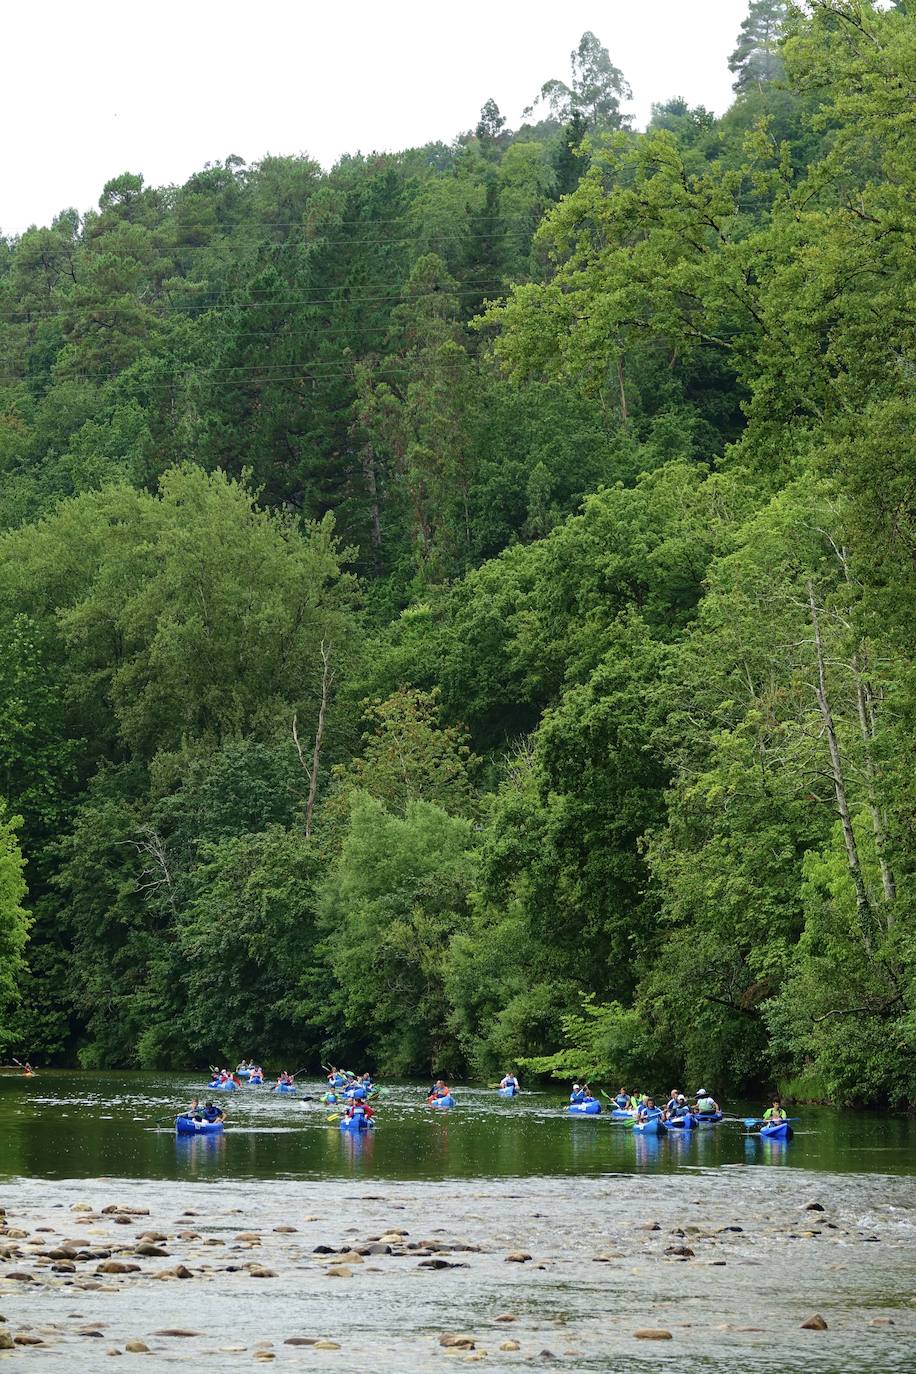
(510, 1081)
(648, 1111)
(622, 1100)
(212, 1113)
(672, 1102)
(680, 1108)
(577, 1095)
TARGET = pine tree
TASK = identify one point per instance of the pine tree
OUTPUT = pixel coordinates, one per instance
(756, 58)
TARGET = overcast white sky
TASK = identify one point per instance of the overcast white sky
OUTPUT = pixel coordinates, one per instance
(93, 89)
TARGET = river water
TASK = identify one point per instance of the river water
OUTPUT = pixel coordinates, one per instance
(605, 1219)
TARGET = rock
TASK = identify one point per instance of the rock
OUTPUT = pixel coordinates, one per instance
(121, 1220)
(179, 1272)
(339, 1271)
(439, 1264)
(729, 1228)
(547, 1355)
(177, 1331)
(301, 1340)
(20, 1275)
(189, 1235)
(258, 1271)
(326, 1345)
(350, 1257)
(6, 1341)
(815, 1323)
(214, 1240)
(63, 1267)
(150, 1251)
(62, 1252)
(136, 1347)
(80, 1207)
(285, 1230)
(117, 1207)
(815, 1207)
(116, 1267)
(375, 1248)
(251, 1237)
(113, 1350)
(681, 1251)
(26, 1338)
(652, 1333)
(517, 1257)
(648, 1226)
(323, 1250)
(509, 1345)
(264, 1355)
(452, 1341)
(506, 1317)
(881, 1321)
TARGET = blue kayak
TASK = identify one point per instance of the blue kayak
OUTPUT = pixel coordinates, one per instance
(243, 1073)
(507, 1092)
(619, 1114)
(775, 1130)
(285, 1088)
(655, 1126)
(447, 1101)
(227, 1087)
(708, 1118)
(355, 1123)
(682, 1123)
(591, 1108)
(188, 1125)
(255, 1082)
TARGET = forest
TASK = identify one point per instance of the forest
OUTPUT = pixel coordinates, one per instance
(458, 607)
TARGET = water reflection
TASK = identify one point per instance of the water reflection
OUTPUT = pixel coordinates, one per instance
(200, 1154)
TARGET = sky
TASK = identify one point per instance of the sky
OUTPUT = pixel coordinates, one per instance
(94, 89)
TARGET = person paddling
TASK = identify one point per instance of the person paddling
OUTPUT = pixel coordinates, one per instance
(706, 1104)
(510, 1081)
(577, 1095)
(648, 1111)
(213, 1113)
(776, 1112)
(194, 1111)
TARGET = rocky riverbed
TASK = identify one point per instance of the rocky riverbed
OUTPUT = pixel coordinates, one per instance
(732, 1266)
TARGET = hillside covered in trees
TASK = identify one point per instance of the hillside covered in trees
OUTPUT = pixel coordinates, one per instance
(458, 608)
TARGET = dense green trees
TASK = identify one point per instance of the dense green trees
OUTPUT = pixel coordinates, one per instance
(458, 608)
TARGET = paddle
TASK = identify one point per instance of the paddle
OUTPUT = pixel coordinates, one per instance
(302, 1070)
(334, 1116)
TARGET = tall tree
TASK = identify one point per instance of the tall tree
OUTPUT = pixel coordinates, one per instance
(756, 60)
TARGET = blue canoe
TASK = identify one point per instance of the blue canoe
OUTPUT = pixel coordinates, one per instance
(591, 1108)
(507, 1092)
(619, 1114)
(187, 1125)
(285, 1088)
(775, 1130)
(682, 1123)
(255, 1082)
(447, 1101)
(655, 1126)
(243, 1073)
(708, 1118)
(227, 1087)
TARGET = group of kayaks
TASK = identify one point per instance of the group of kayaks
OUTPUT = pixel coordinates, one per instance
(677, 1118)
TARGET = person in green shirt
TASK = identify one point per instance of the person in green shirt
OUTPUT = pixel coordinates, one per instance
(775, 1113)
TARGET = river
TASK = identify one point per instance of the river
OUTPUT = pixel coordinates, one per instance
(308, 1248)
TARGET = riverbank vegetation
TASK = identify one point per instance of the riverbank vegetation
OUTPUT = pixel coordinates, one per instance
(458, 608)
